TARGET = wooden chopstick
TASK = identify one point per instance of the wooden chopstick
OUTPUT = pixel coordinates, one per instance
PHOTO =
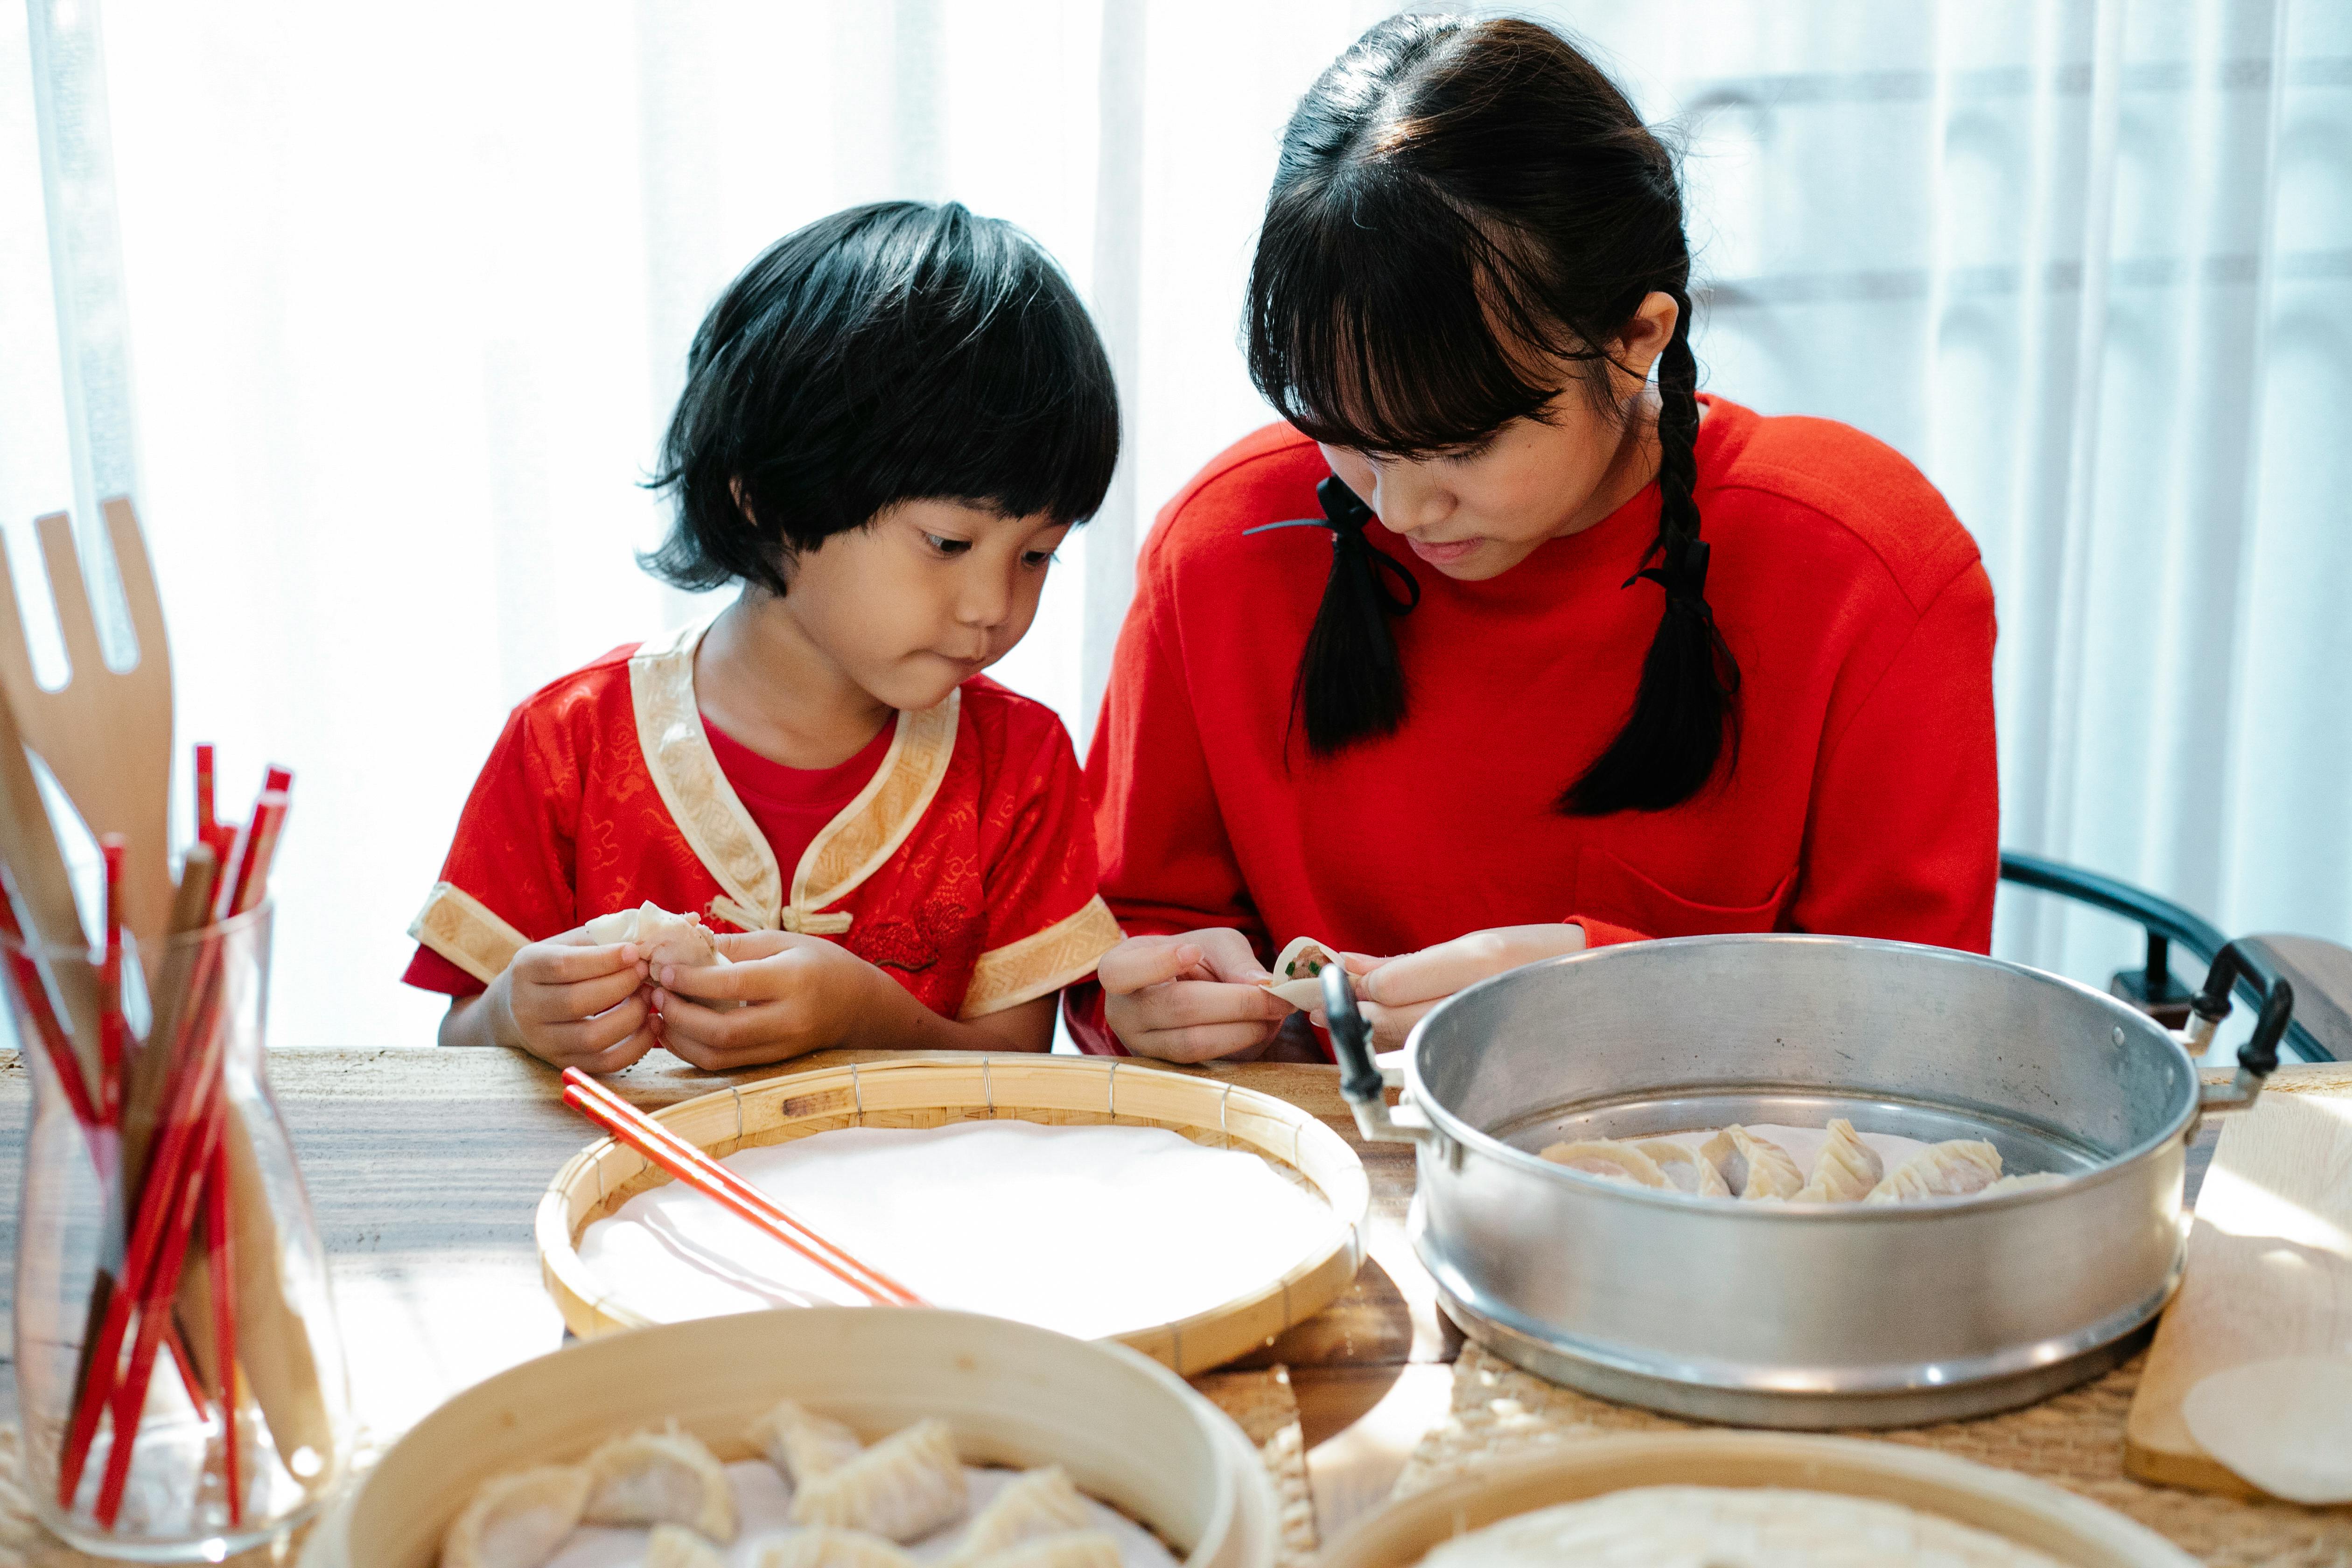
(692, 1167)
(224, 1294)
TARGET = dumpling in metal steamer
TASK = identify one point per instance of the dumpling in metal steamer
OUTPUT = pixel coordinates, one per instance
(802, 1445)
(674, 1546)
(825, 1547)
(1685, 1172)
(1609, 1160)
(1072, 1548)
(1042, 1503)
(1752, 1167)
(1846, 1170)
(903, 1488)
(1952, 1169)
(660, 1477)
(516, 1520)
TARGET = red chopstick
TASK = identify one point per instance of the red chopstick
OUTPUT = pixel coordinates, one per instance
(33, 991)
(110, 1028)
(691, 1166)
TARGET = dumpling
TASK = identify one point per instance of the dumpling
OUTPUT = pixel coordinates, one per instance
(1750, 1166)
(660, 1477)
(903, 1487)
(1685, 1172)
(664, 938)
(802, 1445)
(1075, 1549)
(516, 1520)
(1042, 1503)
(2024, 1184)
(1846, 1170)
(674, 1546)
(1609, 1160)
(825, 1547)
(1298, 971)
(1951, 1169)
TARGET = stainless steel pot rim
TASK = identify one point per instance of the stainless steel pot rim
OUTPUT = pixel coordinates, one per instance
(1454, 1127)
(1799, 1384)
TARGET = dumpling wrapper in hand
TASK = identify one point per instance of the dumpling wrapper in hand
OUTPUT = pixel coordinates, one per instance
(1846, 1170)
(516, 1520)
(2284, 1425)
(663, 937)
(1297, 972)
(1610, 1161)
(1752, 1167)
(1952, 1169)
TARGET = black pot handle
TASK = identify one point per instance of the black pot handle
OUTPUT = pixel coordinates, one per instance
(2259, 1056)
(1351, 1038)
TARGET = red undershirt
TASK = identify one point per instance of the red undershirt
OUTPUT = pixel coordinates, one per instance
(790, 805)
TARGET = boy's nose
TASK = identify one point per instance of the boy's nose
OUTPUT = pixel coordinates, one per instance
(984, 599)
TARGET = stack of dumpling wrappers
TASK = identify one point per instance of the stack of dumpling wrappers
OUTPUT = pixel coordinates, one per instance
(855, 1507)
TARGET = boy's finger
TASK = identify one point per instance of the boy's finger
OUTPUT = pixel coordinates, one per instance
(741, 947)
(1145, 960)
(550, 963)
(612, 1059)
(683, 1018)
(580, 999)
(716, 982)
(587, 1037)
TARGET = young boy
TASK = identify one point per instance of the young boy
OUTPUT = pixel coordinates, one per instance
(891, 420)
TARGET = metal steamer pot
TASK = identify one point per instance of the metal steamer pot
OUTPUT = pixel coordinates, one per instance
(1777, 1314)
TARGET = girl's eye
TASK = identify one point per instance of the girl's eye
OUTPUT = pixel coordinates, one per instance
(1471, 453)
(946, 546)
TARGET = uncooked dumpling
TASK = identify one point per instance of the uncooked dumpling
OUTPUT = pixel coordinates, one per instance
(516, 1520)
(1951, 1169)
(1685, 1170)
(825, 1547)
(660, 1477)
(1609, 1160)
(1846, 1170)
(1297, 969)
(674, 1546)
(2024, 1184)
(1042, 1503)
(1075, 1549)
(903, 1487)
(802, 1445)
(1752, 1167)
(663, 937)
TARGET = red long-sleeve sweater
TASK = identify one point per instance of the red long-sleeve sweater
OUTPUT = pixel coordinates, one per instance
(1863, 800)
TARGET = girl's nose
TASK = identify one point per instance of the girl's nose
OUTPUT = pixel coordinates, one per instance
(1407, 499)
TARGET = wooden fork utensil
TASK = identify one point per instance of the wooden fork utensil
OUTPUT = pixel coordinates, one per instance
(106, 735)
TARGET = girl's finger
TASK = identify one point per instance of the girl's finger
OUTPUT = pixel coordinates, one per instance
(1185, 1003)
(1428, 975)
(1229, 956)
(1145, 960)
(1201, 1043)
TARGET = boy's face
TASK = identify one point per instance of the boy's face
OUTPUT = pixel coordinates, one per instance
(924, 597)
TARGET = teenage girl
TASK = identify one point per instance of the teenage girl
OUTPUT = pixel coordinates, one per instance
(891, 420)
(1570, 654)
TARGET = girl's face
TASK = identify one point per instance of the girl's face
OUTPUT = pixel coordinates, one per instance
(1477, 513)
(924, 597)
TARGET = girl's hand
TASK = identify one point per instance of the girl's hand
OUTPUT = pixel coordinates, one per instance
(797, 995)
(1189, 998)
(1393, 993)
(572, 1003)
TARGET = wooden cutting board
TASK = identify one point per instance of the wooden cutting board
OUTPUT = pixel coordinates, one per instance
(2269, 1275)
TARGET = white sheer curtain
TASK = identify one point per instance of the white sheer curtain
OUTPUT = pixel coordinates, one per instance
(401, 296)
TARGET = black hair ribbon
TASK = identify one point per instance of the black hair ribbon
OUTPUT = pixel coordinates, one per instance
(1682, 573)
(1345, 514)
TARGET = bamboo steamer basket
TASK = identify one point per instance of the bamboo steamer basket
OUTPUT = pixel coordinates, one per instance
(2070, 1529)
(1130, 1432)
(1057, 1091)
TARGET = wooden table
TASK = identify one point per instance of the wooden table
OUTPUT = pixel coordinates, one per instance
(425, 1166)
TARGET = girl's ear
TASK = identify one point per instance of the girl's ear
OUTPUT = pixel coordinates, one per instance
(1648, 333)
(735, 491)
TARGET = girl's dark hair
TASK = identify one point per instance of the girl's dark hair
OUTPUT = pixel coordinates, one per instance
(890, 352)
(1458, 206)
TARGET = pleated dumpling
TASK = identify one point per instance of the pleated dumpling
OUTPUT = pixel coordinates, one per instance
(1752, 1167)
(660, 1477)
(1072, 1548)
(516, 1520)
(674, 1546)
(1952, 1169)
(2024, 1184)
(666, 938)
(903, 1487)
(1846, 1170)
(1609, 1160)
(1042, 1503)
(825, 1547)
(802, 1444)
(1685, 1170)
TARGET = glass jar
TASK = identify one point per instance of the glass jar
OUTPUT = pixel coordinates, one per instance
(192, 1119)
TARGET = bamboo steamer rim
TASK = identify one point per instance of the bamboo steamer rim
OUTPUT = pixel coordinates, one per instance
(1055, 1090)
(2072, 1530)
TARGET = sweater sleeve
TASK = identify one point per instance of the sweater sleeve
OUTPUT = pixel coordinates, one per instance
(1903, 835)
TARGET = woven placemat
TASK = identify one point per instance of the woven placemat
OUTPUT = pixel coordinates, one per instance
(1263, 1406)
(2075, 1441)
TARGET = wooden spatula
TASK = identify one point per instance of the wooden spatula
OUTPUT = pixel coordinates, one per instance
(37, 869)
(106, 735)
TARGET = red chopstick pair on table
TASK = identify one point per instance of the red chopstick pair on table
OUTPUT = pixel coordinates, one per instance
(689, 1165)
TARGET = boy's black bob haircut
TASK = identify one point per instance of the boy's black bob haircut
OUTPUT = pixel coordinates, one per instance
(896, 351)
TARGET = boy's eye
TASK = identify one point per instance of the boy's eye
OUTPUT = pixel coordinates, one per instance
(1037, 560)
(945, 545)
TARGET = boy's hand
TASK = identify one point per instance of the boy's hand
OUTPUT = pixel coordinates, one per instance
(797, 995)
(575, 1004)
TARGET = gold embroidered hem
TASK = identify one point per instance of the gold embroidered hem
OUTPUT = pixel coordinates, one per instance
(462, 929)
(1042, 963)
